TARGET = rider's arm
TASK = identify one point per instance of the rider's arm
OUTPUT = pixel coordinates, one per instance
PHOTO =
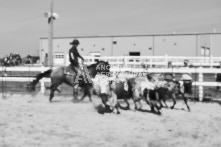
(72, 55)
(80, 56)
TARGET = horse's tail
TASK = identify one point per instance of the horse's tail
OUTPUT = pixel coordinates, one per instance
(38, 78)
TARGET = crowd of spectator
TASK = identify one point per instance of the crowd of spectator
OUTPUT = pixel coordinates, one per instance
(16, 60)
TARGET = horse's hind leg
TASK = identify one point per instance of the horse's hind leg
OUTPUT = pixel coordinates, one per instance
(51, 95)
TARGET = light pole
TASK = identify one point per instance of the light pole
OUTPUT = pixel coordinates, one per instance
(51, 16)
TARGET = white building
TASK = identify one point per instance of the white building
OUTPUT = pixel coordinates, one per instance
(205, 44)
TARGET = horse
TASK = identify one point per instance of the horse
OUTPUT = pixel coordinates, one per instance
(60, 75)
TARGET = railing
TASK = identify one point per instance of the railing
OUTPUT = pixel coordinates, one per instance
(200, 71)
(154, 61)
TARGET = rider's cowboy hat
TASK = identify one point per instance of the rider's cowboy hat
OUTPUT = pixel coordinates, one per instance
(75, 42)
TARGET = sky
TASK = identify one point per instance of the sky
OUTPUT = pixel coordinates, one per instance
(23, 23)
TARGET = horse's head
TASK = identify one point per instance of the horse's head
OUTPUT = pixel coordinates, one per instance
(103, 67)
(100, 67)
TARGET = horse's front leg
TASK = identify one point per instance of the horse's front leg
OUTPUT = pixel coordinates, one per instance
(87, 92)
(52, 90)
(75, 93)
(84, 94)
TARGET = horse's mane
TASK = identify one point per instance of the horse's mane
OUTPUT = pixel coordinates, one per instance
(97, 62)
(92, 65)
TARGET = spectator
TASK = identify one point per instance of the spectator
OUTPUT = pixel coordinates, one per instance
(46, 60)
(186, 63)
(187, 80)
(169, 76)
(29, 61)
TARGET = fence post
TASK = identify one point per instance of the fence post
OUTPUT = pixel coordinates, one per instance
(125, 62)
(42, 81)
(211, 61)
(151, 63)
(166, 60)
(4, 85)
(200, 86)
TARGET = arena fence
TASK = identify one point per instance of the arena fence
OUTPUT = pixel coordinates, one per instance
(154, 61)
(198, 71)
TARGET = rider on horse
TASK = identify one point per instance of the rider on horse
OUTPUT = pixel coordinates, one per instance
(74, 55)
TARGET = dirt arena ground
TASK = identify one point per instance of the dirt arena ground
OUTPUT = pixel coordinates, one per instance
(27, 121)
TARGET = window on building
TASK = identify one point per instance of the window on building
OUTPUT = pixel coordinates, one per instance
(205, 51)
(134, 53)
(114, 42)
(59, 56)
(96, 55)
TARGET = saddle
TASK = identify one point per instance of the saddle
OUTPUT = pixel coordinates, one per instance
(68, 70)
(81, 73)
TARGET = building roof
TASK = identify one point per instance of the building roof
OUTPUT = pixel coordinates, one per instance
(184, 34)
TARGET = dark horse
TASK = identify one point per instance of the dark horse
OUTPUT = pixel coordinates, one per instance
(60, 75)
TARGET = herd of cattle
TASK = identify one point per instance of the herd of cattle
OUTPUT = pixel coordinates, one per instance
(152, 88)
